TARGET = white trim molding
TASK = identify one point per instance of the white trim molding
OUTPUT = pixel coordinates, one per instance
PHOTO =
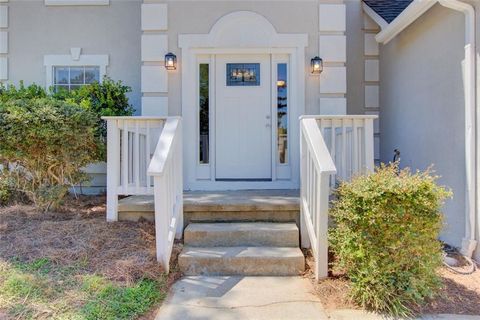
(375, 16)
(407, 17)
(97, 60)
(240, 32)
(77, 2)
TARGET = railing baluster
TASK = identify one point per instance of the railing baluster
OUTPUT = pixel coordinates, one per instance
(125, 157)
(355, 156)
(344, 150)
(136, 157)
(317, 172)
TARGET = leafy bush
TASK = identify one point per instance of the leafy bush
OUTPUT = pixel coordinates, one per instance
(385, 238)
(104, 99)
(45, 142)
(10, 92)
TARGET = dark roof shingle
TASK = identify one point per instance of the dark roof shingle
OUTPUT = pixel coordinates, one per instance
(388, 9)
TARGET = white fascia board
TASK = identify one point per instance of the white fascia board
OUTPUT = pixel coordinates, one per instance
(77, 2)
(407, 17)
(375, 16)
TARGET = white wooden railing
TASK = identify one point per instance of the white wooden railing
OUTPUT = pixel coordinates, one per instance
(332, 148)
(144, 157)
(130, 146)
(166, 168)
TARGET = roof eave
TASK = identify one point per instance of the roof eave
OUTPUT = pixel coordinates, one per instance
(375, 16)
(407, 17)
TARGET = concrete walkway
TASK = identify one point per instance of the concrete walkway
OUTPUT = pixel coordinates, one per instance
(242, 298)
(257, 298)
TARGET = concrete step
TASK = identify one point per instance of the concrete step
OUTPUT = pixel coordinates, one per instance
(242, 234)
(242, 261)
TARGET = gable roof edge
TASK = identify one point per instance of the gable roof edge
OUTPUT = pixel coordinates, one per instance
(375, 16)
(407, 17)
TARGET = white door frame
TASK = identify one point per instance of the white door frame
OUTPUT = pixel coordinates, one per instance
(241, 32)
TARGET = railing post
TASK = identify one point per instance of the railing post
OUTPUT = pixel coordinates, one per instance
(162, 222)
(179, 180)
(369, 148)
(113, 169)
(304, 238)
(322, 231)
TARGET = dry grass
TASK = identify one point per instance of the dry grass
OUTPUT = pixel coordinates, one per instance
(78, 237)
(460, 294)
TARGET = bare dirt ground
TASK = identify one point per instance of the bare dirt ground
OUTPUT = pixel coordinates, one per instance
(78, 235)
(460, 294)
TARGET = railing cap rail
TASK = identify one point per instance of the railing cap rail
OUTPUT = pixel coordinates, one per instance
(322, 158)
(163, 151)
(347, 116)
(138, 118)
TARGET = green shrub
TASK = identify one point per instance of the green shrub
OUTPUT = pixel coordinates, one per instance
(104, 99)
(385, 238)
(45, 143)
(10, 92)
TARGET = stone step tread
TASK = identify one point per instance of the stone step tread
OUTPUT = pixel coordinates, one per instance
(225, 227)
(241, 252)
(228, 234)
(244, 261)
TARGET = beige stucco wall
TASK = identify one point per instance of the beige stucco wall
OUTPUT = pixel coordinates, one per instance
(36, 30)
(355, 58)
(115, 30)
(422, 105)
(285, 17)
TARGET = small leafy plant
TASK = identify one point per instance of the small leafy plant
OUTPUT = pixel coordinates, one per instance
(385, 238)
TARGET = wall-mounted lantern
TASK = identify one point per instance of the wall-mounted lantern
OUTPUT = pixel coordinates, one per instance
(170, 61)
(317, 65)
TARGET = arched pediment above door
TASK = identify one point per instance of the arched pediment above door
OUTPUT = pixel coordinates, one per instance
(242, 29)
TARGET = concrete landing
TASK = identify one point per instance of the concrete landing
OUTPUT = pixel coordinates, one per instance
(242, 298)
(227, 206)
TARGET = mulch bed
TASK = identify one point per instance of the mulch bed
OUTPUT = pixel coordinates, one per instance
(460, 294)
(78, 234)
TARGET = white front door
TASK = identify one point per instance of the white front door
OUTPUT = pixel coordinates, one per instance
(243, 133)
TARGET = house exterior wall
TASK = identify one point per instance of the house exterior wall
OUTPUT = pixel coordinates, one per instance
(36, 30)
(422, 105)
(285, 16)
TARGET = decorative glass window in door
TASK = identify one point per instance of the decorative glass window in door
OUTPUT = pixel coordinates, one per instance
(243, 74)
(282, 113)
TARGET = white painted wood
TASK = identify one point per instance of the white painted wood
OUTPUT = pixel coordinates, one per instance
(319, 163)
(243, 123)
(166, 168)
(113, 169)
(333, 80)
(372, 20)
(238, 33)
(154, 79)
(154, 16)
(332, 17)
(333, 48)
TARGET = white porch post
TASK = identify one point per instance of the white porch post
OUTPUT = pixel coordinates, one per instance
(113, 169)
